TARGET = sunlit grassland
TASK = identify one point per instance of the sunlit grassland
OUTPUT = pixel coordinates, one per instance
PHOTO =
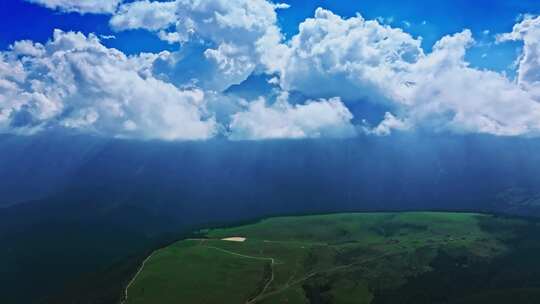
(293, 259)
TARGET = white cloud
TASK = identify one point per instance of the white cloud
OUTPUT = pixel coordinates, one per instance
(170, 37)
(144, 14)
(107, 37)
(75, 82)
(321, 118)
(468, 100)
(528, 31)
(219, 21)
(27, 48)
(81, 6)
(363, 60)
(282, 6)
(388, 125)
(233, 38)
(353, 58)
(232, 61)
(448, 94)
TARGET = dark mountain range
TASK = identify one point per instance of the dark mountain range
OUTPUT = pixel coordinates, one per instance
(79, 204)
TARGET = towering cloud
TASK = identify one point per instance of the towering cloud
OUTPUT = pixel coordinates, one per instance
(329, 66)
(353, 58)
(448, 94)
(74, 81)
(527, 31)
(365, 61)
(228, 39)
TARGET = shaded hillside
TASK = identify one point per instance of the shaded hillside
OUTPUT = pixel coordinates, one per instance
(105, 200)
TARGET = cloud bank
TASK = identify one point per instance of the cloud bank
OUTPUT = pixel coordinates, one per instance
(331, 65)
(224, 41)
(314, 119)
(73, 81)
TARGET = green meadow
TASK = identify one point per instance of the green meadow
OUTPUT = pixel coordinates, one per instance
(340, 258)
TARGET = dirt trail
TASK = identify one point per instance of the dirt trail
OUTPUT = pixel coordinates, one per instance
(135, 277)
(272, 263)
(290, 283)
(263, 295)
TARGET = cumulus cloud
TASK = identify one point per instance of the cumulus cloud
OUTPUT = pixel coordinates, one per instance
(320, 118)
(228, 39)
(144, 14)
(353, 58)
(389, 124)
(362, 60)
(330, 65)
(448, 94)
(81, 6)
(73, 81)
(528, 31)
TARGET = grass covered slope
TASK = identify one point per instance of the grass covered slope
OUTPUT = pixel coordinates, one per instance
(338, 258)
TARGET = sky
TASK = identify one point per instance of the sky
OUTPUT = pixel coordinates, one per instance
(256, 70)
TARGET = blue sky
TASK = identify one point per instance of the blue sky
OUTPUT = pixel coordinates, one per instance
(441, 17)
(257, 69)
(23, 20)
(428, 19)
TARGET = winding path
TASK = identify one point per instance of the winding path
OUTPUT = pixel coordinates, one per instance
(135, 277)
(272, 263)
(290, 283)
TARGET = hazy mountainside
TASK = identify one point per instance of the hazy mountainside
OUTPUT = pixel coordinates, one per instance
(373, 173)
(99, 201)
(37, 166)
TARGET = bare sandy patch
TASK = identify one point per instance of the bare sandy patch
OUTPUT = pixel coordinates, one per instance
(234, 239)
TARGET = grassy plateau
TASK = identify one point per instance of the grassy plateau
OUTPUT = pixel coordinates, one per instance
(412, 257)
